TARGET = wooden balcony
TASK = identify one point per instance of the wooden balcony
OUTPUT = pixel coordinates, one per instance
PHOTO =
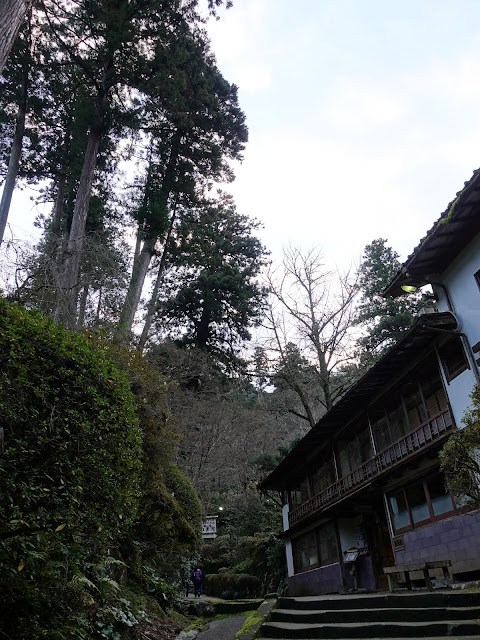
(421, 438)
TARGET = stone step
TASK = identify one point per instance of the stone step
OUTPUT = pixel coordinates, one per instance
(407, 600)
(446, 628)
(418, 614)
(475, 637)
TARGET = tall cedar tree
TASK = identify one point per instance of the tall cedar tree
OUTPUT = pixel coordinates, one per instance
(16, 98)
(217, 297)
(12, 14)
(196, 127)
(100, 38)
(384, 319)
(111, 43)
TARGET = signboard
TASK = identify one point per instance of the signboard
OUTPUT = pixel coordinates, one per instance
(209, 528)
(351, 555)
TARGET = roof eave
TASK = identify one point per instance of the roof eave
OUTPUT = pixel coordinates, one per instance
(358, 397)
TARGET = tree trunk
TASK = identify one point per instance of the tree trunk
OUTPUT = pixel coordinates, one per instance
(99, 308)
(15, 155)
(137, 280)
(202, 327)
(325, 381)
(82, 306)
(153, 299)
(59, 204)
(142, 261)
(12, 14)
(66, 309)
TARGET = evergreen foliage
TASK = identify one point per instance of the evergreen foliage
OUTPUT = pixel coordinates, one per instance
(248, 557)
(267, 462)
(384, 319)
(460, 457)
(216, 266)
(70, 470)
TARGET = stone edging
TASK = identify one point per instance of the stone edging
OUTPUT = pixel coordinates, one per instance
(262, 615)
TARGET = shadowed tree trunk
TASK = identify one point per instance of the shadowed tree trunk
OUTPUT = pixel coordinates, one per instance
(139, 273)
(82, 306)
(59, 204)
(66, 309)
(15, 155)
(143, 259)
(12, 14)
(152, 305)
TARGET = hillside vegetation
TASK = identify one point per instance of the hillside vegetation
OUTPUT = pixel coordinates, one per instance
(94, 515)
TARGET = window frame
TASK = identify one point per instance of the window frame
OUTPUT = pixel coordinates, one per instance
(357, 436)
(302, 487)
(321, 562)
(476, 275)
(382, 410)
(325, 469)
(432, 518)
(451, 374)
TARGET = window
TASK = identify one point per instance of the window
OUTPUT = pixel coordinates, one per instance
(316, 548)
(414, 406)
(322, 477)
(420, 503)
(396, 417)
(420, 397)
(432, 390)
(327, 541)
(354, 450)
(299, 494)
(452, 355)
(380, 427)
(399, 510)
(305, 553)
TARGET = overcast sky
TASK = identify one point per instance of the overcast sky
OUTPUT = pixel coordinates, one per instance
(364, 116)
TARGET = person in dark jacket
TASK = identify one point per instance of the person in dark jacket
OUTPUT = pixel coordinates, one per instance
(198, 578)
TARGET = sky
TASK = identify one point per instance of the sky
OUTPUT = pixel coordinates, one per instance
(363, 118)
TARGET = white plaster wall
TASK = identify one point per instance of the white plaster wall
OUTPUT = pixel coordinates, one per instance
(459, 390)
(289, 554)
(288, 542)
(464, 291)
(465, 297)
(285, 511)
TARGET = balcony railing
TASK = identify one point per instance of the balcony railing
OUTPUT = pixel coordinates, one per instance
(421, 438)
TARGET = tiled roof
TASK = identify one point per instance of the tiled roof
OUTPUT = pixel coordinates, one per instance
(356, 400)
(457, 225)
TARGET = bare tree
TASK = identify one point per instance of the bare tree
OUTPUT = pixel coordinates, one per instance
(310, 323)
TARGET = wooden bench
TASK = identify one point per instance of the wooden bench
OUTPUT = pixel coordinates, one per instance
(419, 566)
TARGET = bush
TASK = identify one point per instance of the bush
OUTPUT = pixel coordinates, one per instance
(232, 586)
(167, 533)
(70, 472)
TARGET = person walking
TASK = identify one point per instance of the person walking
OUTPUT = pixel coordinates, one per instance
(198, 578)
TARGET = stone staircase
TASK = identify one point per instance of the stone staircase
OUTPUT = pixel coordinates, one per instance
(441, 614)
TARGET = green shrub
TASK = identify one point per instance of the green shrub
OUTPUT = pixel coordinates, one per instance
(69, 473)
(88, 485)
(460, 456)
(231, 586)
